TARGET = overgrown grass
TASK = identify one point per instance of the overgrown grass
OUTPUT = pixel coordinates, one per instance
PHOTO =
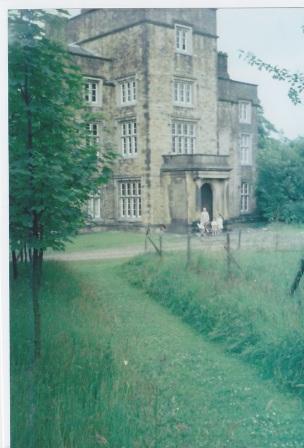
(119, 370)
(285, 228)
(251, 314)
(75, 396)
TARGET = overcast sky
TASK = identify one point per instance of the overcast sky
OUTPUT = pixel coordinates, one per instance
(274, 35)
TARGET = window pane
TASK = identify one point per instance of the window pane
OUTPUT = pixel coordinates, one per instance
(177, 38)
(175, 91)
(139, 206)
(184, 40)
(130, 200)
(123, 93)
(182, 91)
(134, 90)
(188, 95)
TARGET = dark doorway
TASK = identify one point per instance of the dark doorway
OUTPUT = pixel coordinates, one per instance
(207, 199)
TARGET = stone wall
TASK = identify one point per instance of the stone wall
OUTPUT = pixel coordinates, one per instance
(98, 22)
(141, 43)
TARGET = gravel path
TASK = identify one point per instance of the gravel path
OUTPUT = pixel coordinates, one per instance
(249, 239)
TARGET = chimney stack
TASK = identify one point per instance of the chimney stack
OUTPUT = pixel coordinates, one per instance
(222, 65)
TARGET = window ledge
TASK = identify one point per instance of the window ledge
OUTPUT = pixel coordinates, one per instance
(182, 105)
(133, 103)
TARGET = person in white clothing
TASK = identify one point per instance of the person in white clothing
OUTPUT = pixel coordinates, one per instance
(205, 218)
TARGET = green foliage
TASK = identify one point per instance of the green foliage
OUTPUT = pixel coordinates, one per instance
(280, 186)
(280, 181)
(53, 167)
(266, 130)
(252, 316)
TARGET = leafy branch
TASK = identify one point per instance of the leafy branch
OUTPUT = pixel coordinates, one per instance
(295, 80)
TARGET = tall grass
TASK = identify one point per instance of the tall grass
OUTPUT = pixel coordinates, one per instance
(252, 314)
(78, 394)
(117, 370)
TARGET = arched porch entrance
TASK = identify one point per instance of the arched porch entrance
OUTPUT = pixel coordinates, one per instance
(207, 199)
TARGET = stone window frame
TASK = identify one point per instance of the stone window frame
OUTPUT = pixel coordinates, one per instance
(185, 141)
(245, 197)
(245, 112)
(93, 134)
(245, 149)
(183, 38)
(178, 92)
(129, 198)
(92, 95)
(94, 206)
(127, 85)
(128, 137)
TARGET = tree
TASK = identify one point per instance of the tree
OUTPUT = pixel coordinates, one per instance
(53, 166)
(280, 181)
(266, 130)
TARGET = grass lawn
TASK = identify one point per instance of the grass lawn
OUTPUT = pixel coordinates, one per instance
(104, 240)
(120, 370)
(112, 239)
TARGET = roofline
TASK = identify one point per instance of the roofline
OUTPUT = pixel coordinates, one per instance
(255, 102)
(238, 82)
(152, 22)
(83, 13)
(97, 9)
(91, 56)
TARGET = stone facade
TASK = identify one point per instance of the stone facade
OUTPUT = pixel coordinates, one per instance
(186, 134)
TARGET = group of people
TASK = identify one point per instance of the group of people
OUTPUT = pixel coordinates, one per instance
(212, 227)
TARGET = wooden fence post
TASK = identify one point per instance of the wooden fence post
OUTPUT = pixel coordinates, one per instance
(160, 245)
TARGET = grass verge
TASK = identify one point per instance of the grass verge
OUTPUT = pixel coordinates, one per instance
(251, 314)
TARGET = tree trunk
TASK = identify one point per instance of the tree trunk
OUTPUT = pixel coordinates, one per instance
(33, 253)
(25, 253)
(40, 260)
(15, 269)
(36, 307)
(21, 255)
(36, 274)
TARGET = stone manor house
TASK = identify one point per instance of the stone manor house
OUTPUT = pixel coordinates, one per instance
(186, 133)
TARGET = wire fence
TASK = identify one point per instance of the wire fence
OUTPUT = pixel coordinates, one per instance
(249, 239)
(231, 242)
